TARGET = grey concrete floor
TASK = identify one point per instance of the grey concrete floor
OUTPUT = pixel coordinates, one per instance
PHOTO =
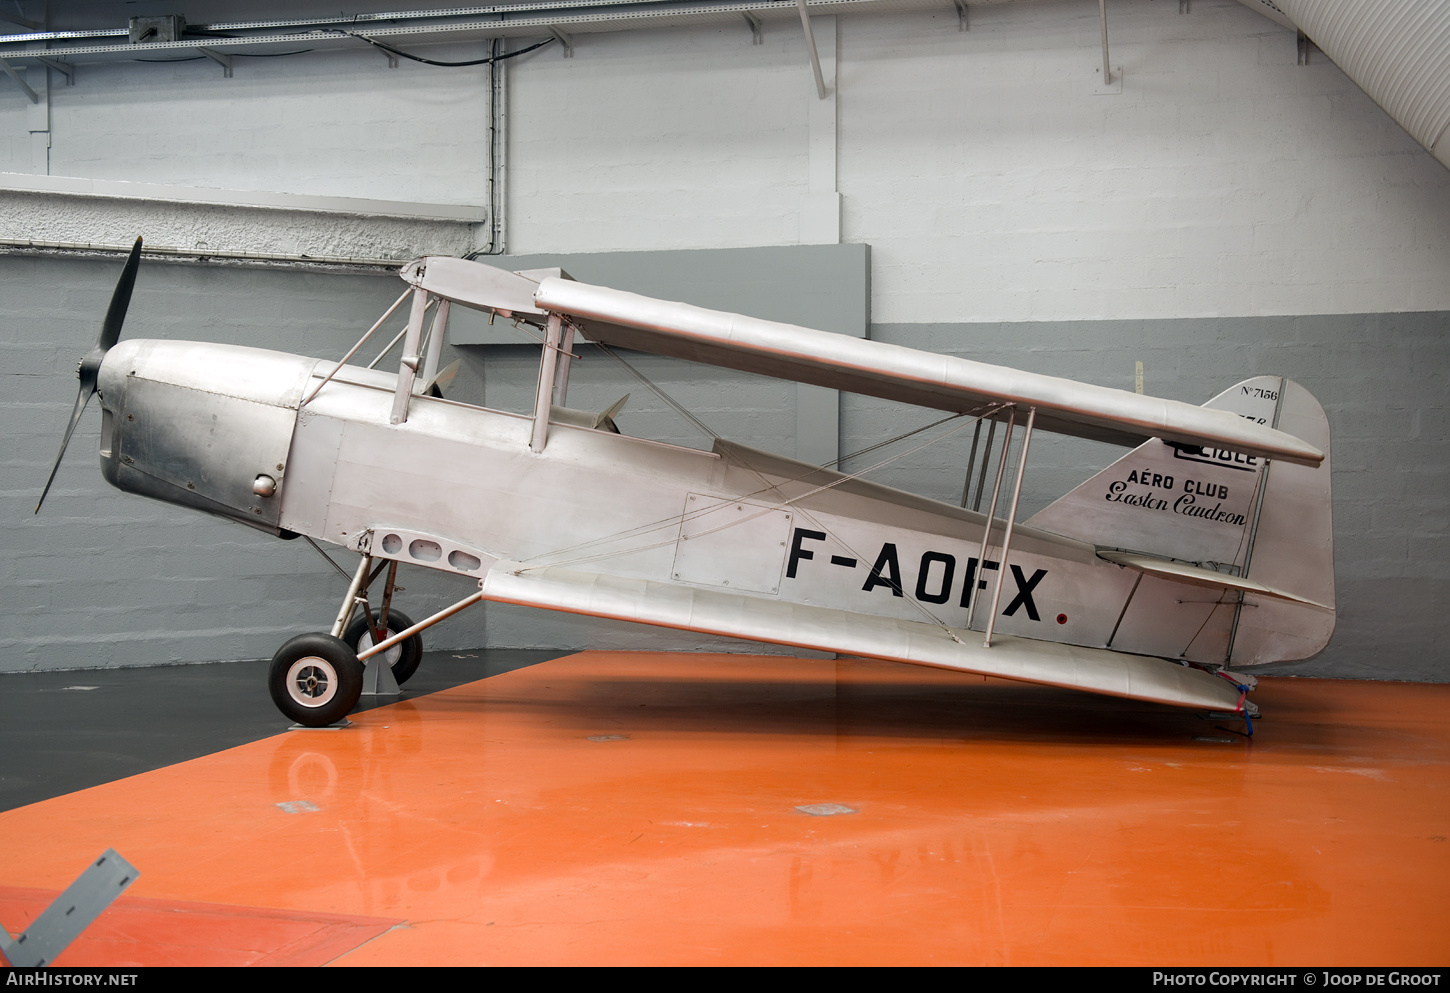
(63, 731)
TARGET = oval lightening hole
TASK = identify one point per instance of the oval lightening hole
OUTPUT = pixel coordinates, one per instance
(425, 551)
(392, 544)
(464, 561)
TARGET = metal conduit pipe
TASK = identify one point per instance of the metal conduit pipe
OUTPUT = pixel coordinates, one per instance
(497, 148)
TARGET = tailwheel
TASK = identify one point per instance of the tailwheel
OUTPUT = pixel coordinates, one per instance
(315, 679)
(403, 658)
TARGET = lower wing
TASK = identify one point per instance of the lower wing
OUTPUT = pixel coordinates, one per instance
(687, 608)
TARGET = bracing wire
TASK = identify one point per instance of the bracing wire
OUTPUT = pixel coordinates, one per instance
(668, 400)
(678, 520)
(675, 520)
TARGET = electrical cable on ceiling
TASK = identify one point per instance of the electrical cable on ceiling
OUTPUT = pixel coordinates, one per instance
(447, 65)
(234, 55)
(352, 34)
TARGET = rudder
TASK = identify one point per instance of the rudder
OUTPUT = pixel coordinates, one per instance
(1200, 505)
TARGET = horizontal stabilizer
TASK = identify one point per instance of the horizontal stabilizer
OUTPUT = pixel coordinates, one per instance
(1183, 572)
(1095, 670)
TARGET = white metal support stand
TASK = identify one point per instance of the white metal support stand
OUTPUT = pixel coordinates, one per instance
(378, 677)
(1103, 19)
(811, 48)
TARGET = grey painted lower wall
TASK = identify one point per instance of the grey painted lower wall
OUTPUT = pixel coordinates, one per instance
(103, 579)
(1384, 381)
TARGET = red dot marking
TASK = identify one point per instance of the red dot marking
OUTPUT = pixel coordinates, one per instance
(1062, 618)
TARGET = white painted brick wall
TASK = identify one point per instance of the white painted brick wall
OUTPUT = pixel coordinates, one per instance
(991, 181)
(659, 139)
(327, 123)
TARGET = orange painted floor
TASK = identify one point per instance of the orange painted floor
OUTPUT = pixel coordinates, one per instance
(629, 808)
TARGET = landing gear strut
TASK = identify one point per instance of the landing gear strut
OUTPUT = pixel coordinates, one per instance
(374, 628)
(316, 679)
(402, 658)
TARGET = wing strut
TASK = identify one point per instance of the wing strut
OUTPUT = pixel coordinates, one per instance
(353, 351)
(972, 464)
(544, 395)
(991, 507)
(1011, 519)
(408, 364)
(1253, 532)
(403, 636)
(561, 373)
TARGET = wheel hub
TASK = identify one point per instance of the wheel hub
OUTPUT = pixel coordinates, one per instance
(391, 656)
(311, 682)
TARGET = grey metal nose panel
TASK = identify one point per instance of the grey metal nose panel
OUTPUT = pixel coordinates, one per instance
(197, 424)
(208, 444)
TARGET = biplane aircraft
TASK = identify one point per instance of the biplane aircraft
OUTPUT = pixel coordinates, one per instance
(1207, 547)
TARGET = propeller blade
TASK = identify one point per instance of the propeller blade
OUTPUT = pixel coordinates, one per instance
(436, 384)
(120, 300)
(614, 408)
(90, 369)
(83, 397)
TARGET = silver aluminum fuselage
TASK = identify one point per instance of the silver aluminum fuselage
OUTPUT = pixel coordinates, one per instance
(457, 488)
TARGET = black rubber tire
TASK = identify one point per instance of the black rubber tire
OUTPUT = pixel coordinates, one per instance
(315, 679)
(405, 657)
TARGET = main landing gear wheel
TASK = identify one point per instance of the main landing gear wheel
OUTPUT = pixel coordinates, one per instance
(402, 658)
(315, 679)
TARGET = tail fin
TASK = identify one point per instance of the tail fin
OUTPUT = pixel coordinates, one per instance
(1203, 505)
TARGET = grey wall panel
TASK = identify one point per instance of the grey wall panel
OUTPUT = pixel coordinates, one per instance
(1384, 381)
(819, 286)
(102, 578)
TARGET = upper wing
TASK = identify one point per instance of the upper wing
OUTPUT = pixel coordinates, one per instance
(893, 372)
(873, 368)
